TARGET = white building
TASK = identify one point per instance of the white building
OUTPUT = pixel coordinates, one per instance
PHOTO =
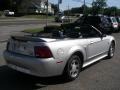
(40, 7)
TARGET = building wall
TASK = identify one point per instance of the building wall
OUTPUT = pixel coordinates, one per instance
(35, 7)
(41, 6)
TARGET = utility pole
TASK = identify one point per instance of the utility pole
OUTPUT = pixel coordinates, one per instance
(58, 8)
(46, 13)
(84, 7)
(59, 2)
(68, 11)
(92, 3)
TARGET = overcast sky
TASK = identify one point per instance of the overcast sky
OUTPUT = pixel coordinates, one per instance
(75, 3)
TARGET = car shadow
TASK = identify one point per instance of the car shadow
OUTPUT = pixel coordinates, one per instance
(13, 80)
(97, 62)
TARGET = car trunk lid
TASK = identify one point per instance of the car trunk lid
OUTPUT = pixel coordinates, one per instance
(25, 44)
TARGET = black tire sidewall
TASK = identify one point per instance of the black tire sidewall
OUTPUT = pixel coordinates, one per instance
(109, 52)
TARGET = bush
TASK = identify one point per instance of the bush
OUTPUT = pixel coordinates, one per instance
(33, 31)
(50, 28)
(0, 13)
(67, 26)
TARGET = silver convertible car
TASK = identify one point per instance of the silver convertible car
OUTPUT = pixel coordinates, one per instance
(59, 53)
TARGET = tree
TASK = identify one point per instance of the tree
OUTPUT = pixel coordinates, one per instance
(107, 11)
(85, 9)
(112, 11)
(21, 6)
(5, 4)
(55, 7)
(98, 6)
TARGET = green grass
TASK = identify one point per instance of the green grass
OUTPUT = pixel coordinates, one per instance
(33, 31)
(38, 16)
(1, 13)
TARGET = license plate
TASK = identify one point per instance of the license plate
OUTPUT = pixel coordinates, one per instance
(18, 47)
(21, 48)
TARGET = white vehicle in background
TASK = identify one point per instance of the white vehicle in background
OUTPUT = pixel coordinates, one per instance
(114, 23)
(62, 19)
(8, 13)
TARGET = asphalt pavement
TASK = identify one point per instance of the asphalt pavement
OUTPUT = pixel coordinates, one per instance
(23, 21)
(15, 26)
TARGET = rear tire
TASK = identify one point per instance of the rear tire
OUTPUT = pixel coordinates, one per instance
(72, 68)
(111, 50)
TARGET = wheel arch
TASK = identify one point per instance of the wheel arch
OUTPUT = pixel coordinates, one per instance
(79, 53)
(113, 41)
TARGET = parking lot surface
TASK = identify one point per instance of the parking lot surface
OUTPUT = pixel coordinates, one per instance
(102, 75)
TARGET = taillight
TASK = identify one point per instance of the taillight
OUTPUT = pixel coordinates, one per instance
(42, 52)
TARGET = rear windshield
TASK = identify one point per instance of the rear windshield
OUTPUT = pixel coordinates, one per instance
(113, 20)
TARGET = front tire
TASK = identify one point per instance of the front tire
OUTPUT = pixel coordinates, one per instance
(73, 68)
(111, 50)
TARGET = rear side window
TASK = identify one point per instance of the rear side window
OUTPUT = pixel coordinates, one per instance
(118, 19)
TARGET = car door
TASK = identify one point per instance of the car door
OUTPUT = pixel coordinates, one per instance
(97, 45)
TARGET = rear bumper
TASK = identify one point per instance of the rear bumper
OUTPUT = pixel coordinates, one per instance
(115, 28)
(33, 66)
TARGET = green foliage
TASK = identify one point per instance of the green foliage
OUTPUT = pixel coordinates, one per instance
(107, 11)
(98, 5)
(33, 31)
(0, 13)
(50, 28)
(112, 11)
(77, 10)
(67, 25)
(46, 29)
(5, 4)
(55, 7)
